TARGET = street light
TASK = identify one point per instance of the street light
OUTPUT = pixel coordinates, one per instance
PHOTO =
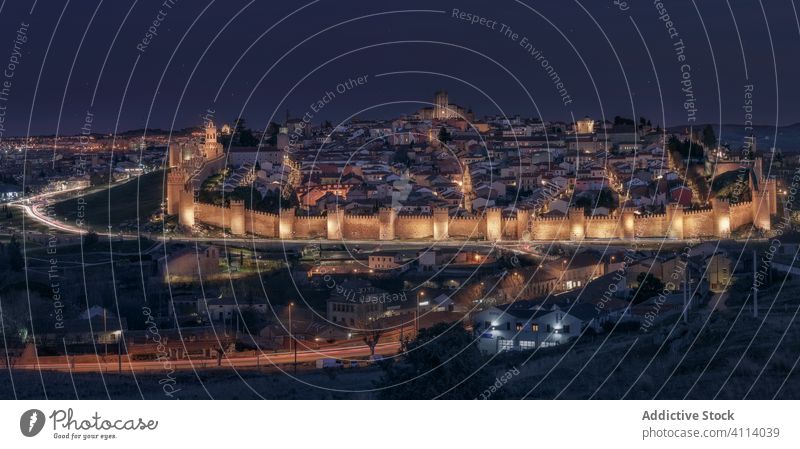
(416, 316)
(119, 350)
(292, 343)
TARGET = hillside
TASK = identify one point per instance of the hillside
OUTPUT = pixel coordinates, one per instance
(119, 206)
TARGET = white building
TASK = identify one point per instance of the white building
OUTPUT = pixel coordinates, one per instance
(508, 328)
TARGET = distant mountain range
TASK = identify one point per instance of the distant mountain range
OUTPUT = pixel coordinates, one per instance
(784, 138)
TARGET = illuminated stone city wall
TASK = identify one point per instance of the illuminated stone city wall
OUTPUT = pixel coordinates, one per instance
(414, 226)
(466, 228)
(717, 221)
(361, 227)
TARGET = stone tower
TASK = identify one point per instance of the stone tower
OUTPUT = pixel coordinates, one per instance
(523, 224)
(211, 147)
(761, 207)
(237, 217)
(772, 193)
(494, 224)
(286, 221)
(186, 208)
(628, 224)
(386, 220)
(336, 224)
(441, 223)
(577, 223)
(721, 210)
(675, 228)
(441, 105)
(175, 183)
(175, 155)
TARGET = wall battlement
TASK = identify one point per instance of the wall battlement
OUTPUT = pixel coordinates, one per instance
(387, 224)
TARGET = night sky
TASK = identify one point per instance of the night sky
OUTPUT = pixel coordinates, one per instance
(263, 57)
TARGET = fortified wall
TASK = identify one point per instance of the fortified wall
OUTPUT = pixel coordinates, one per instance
(716, 221)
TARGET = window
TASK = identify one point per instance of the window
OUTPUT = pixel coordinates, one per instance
(566, 329)
(487, 324)
(505, 345)
(508, 325)
(534, 327)
(519, 327)
(527, 344)
(549, 329)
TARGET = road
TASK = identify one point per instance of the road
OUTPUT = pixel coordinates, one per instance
(282, 358)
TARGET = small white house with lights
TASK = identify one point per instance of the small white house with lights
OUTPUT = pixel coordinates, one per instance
(510, 328)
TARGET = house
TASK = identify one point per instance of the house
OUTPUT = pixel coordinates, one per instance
(384, 261)
(356, 302)
(229, 309)
(514, 328)
(189, 263)
(441, 303)
(719, 271)
(681, 195)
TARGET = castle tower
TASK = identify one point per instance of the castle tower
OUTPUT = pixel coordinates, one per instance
(675, 228)
(211, 148)
(186, 208)
(721, 210)
(175, 155)
(237, 217)
(772, 193)
(494, 224)
(441, 223)
(286, 221)
(441, 105)
(761, 209)
(523, 224)
(175, 182)
(628, 225)
(336, 224)
(758, 170)
(386, 219)
(577, 223)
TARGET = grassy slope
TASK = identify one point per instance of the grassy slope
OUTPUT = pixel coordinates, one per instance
(120, 201)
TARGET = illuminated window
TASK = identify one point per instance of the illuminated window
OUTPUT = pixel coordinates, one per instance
(519, 327)
(505, 345)
(526, 344)
(534, 328)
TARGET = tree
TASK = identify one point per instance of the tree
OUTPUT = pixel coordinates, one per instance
(439, 358)
(90, 238)
(444, 135)
(618, 120)
(242, 135)
(649, 286)
(273, 129)
(371, 334)
(14, 255)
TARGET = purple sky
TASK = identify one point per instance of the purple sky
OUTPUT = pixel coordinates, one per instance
(597, 53)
